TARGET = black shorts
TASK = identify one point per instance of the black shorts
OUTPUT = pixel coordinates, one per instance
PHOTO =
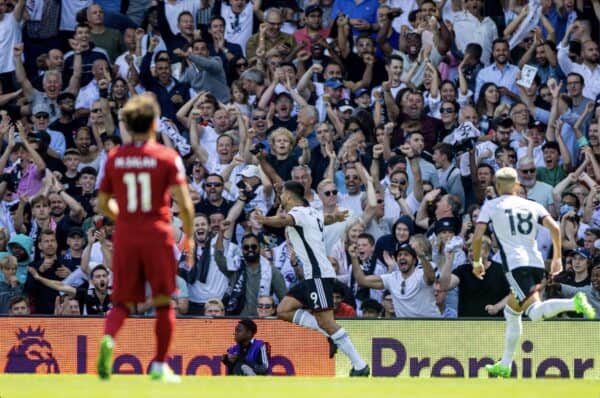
(316, 294)
(525, 281)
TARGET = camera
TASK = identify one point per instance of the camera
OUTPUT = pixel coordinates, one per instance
(257, 148)
(248, 193)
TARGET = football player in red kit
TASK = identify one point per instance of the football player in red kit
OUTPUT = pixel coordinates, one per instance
(136, 190)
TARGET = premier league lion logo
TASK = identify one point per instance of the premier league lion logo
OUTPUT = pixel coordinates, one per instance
(32, 354)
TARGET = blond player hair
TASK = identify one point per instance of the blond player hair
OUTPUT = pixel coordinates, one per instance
(506, 179)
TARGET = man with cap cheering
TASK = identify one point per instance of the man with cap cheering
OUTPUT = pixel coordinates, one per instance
(41, 120)
(313, 28)
(411, 287)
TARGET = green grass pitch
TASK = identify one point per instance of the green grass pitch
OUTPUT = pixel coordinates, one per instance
(66, 386)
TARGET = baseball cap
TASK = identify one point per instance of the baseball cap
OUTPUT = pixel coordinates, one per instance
(333, 83)
(360, 92)
(65, 95)
(580, 251)
(345, 106)
(75, 231)
(313, 8)
(40, 107)
(249, 171)
(504, 122)
(536, 124)
(405, 247)
(445, 224)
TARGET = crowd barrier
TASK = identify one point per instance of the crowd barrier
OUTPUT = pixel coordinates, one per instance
(405, 348)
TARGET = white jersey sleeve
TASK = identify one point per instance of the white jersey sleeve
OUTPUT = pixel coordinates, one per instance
(308, 241)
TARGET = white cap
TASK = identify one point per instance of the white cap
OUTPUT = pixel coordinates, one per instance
(250, 171)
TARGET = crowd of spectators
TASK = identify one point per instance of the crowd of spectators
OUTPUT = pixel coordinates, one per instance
(399, 111)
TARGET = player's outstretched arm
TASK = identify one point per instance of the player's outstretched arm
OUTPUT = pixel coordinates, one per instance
(370, 281)
(278, 221)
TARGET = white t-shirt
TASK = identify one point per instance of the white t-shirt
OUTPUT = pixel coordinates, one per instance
(10, 34)
(307, 239)
(172, 12)
(68, 13)
(416, 299)
(516, 222)
(238, 30)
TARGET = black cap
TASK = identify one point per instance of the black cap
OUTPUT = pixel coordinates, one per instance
(504, 122)
(312, 8)
(445, 224)
(65, 95)
(537, 124)
(75, 231)
(405, 247)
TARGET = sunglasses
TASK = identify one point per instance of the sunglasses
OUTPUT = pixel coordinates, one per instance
(250, 247)
(264, 306)
(96, 110)
(528, 171)
(400, 182)
(213, 184)
(42, 116)
(329, 193)
(447, 110)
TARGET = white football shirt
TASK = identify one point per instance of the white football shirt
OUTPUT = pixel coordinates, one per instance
(515, 222)
(308, 241)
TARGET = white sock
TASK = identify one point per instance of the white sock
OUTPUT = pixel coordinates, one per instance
(158, 366)
(541, 310)
(342, 340)
(514, 328)
(306, 319)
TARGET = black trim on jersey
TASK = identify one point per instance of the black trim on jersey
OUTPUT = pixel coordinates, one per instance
(504, 263)
(316, 270)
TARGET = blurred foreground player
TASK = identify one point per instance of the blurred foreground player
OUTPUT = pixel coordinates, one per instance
(304, 226)
(515, 223)
(135, 193)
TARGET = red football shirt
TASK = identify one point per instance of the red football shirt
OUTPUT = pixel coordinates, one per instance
(139, 176)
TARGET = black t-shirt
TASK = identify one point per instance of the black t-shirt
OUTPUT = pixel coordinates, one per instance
(70, 184)
(318, 166)
(68, 130)
(284, 167)
(355, 68)
(89, 302)
(475, 294)
(205, 207)
(291, 124)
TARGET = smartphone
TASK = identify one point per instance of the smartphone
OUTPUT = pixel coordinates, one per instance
(99, 224)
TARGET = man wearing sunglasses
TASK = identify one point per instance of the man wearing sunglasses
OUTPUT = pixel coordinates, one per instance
(537, 191)
(255, 278)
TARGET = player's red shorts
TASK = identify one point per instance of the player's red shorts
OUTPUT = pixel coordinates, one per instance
(133, 264)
